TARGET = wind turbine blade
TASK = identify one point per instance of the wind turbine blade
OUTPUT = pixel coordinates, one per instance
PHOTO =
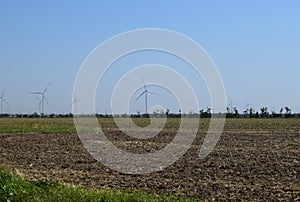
(36, 97)
(152, 93)
(36, 93)
(2, 95)
(144, 83)
(46, 100)
(5, 101)
(47, 87)
(140, 95)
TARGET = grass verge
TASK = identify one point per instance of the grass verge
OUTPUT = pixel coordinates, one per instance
(15, 188)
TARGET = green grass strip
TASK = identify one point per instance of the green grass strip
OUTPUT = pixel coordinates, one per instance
(15, 188)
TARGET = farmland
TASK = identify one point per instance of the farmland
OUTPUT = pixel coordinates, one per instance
(255, 159)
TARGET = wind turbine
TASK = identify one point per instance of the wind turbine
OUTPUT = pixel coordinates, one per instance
(75, 100)
(3, 99)
(145, 92)
(248, 106)
(231, 105)
(43, 98)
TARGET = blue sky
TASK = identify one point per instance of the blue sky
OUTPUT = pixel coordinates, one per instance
(255, 45)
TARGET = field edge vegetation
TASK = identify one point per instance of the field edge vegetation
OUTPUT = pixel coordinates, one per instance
(16, 188)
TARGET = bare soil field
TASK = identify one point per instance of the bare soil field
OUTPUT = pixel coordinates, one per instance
(255, 160)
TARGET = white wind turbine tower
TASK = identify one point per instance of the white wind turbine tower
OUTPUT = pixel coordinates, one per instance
(3, 99)
(40, 102)
(145, 92)
(43, 98)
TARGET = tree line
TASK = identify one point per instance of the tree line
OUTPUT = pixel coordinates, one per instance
(263, 112)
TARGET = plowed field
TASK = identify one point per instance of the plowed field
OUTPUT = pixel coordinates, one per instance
(255, 159)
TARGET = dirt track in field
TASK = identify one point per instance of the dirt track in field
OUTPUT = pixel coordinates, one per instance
(250, 162)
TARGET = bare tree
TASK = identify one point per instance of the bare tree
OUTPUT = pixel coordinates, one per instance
(236, 112)
(264, 111)
(288, 112)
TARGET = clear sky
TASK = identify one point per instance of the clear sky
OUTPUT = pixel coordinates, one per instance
(255, 45)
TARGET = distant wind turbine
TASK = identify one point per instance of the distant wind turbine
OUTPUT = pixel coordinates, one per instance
(3, 99)
(145, 92)
(43, 98)
(248, 106)
(75, 100)
(231, 105)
